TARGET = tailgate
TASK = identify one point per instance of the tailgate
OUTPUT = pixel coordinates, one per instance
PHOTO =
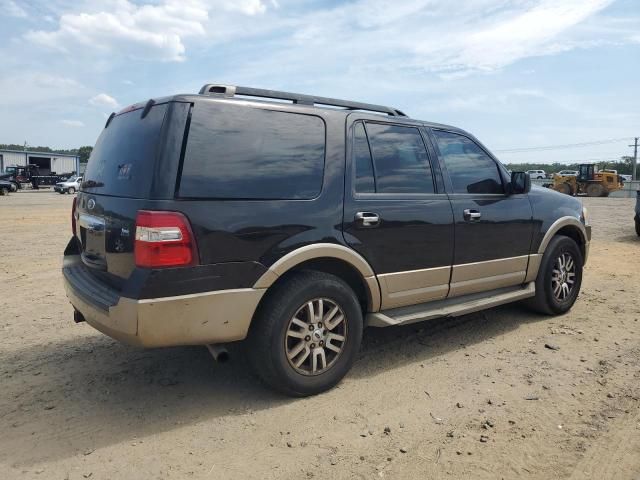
(116, 184)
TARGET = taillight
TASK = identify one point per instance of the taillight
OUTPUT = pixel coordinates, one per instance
(164, 239)
(73, 215)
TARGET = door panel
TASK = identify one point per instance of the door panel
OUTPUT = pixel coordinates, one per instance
(503, 230)
(410, 245)
(493, 230)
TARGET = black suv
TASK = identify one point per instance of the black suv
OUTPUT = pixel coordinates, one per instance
(292, 222)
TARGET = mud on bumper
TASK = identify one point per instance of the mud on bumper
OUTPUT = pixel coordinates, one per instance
(196, 319)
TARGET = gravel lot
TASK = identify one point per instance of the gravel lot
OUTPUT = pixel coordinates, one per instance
(478, 397)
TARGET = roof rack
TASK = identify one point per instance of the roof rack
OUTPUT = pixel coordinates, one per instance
(230, 91)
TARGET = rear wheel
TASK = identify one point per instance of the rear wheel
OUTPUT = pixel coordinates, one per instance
(306, 334)
(595, 190)
(559, 278)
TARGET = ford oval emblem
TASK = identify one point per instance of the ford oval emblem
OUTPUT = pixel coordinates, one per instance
(91, 203)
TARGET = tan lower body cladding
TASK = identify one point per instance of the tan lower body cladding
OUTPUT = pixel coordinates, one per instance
(400, 289)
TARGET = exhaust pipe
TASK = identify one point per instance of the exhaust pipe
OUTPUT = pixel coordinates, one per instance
(219, 353)
(78, 317)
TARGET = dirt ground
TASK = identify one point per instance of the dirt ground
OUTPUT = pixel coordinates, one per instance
(476, 397)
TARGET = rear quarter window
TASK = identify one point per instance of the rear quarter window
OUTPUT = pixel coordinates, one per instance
(239, 152)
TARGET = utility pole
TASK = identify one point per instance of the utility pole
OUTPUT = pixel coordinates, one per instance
(635, 158)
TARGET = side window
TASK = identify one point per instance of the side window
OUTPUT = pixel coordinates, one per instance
(250, 153)
(471, 170)
(365, 182)
(400, 159)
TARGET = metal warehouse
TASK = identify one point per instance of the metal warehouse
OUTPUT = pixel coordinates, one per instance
(47, 162)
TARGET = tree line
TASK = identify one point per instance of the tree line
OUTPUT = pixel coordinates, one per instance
(82, 152)
(624, 166)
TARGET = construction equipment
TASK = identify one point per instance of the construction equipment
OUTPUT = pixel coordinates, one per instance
(589, 181)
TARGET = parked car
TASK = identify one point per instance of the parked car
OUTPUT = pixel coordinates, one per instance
(226, 216)
(626, 178)
(68, 186)
(6, 187)
(537, 174)
(568, 173)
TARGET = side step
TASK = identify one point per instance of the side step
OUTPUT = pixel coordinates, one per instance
(450, 307)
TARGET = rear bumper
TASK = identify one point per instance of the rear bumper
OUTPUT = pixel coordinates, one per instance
(203, 318)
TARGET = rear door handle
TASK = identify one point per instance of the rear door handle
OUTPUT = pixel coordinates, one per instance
(367, 219)
(471, 215)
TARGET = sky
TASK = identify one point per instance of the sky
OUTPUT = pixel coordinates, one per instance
(518, 74)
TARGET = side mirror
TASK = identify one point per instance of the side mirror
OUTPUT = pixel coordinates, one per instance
(520, 183)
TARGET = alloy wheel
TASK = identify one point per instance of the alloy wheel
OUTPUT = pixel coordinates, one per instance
(563, 276)
(315, 336)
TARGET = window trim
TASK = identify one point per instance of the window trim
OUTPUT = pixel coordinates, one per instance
(352, 154)
(447, 177)
(388, 195)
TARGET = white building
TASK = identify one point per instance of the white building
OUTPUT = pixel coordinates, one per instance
(47, 162)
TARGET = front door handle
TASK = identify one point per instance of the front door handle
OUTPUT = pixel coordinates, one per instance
(471, 215)
(367, 219)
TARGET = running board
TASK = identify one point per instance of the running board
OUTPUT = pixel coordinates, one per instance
(450, 307)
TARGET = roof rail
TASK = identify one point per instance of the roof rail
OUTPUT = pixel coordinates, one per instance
(230, 91)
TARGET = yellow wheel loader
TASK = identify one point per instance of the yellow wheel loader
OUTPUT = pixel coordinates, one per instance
(589, 181)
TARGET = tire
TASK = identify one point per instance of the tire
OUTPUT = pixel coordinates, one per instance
(595, 190)
(14, 187)
(637, 226)
(563, 188)
(4, 191)
(71, 190)
(546, 300)
(274, 338)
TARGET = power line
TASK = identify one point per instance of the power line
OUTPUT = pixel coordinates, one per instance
(562, 147)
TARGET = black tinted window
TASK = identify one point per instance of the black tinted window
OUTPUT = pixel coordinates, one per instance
(470, 169)
(240, 152)
(362, 158)
(123, 160)
(400, 159)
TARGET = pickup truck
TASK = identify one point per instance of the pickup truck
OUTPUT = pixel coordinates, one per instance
(68, 186)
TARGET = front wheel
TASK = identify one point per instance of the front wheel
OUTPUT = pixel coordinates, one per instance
(559, 278)
(71, 190)
(306, 334)
(4, 191)
(595, 190)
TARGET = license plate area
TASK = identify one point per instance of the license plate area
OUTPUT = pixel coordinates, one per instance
(93, 239)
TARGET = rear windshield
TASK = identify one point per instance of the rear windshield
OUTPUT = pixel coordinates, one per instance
(121, 163)
(237, 152)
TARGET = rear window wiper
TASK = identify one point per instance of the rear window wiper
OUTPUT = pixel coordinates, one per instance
(91, 184)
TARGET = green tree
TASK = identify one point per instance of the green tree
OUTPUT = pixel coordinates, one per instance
(84, 153)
